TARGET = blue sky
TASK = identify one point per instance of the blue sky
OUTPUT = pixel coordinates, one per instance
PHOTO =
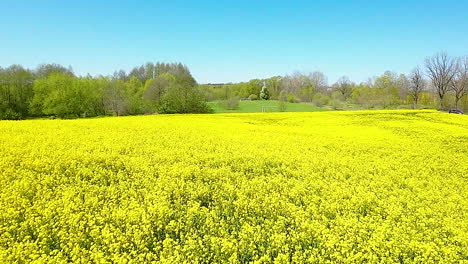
(224, 41)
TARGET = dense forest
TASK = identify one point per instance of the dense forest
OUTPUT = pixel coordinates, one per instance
(55, 91)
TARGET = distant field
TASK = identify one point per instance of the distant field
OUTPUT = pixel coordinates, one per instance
(256, 106)
(327, 187)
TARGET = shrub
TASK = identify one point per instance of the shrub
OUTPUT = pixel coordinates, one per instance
(10, 114)
(265, 94)
(232, 103)
(320, 99)
(253, 97)
(292, 98)
(336, 104)
(282, 101)
(336, 95)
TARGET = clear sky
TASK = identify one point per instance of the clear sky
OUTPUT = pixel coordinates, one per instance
(223, 41)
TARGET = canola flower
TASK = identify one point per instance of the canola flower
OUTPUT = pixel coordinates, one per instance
(328, 187)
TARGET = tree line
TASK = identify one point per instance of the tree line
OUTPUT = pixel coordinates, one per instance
(54, 90)
(441, 83)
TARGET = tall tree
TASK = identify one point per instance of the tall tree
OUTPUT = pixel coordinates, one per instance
(15, 92)
(264, 93)
(441, 69)
(182, 98)
(386, 89)
(134, 95)
(319, 81)
(403, 84)
(274, 83)
(300, 84)
(120, 75)
(344, 86)
(65, 96)
(459, 83)
(44, 70)
(156, 88)
(144, 72)
(114, 98)
(417, 85)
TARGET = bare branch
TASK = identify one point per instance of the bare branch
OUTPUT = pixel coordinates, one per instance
(441, 69)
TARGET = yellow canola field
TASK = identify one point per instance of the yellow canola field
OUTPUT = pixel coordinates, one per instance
(327, 187)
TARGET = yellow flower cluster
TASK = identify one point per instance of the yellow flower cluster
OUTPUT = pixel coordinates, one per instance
(328, 187)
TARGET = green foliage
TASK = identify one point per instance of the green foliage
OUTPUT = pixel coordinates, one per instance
(65, 96)
(275, 85)
(114, 97)
(307, 93)
(232, 103)
(336, 104)
(282, 99)
(134, 93)
(45, 70)
(292, 98)
(170, 88)
(15, 92)
(54, 90)
(179, 97)
(337, 96)
(209, 92)
(264, 93)
(253, 97)
(252, 87)
(246, 106)
(174, 90)
(320, 99)
(155, 89)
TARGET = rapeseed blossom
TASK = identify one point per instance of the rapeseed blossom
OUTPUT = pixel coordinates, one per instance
(329, 187)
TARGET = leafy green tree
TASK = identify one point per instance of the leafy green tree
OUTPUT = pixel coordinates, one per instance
(144, 72)
(387, 91)
(120, 75)
(320, 99)
(251, 87)
(265, 94)
(15, 92)
(97, 87)
(253, 97)
(208, 91)
(155, 90)
(282, 98)
(45, 70)
(181, 97)
(114, 97)
(275, 85)
(307, 92)
(65, 96)
(134, 93)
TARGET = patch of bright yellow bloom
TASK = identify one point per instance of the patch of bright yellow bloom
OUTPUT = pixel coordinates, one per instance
(328, 187)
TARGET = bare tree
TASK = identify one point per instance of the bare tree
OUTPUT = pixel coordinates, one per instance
(293, 83)
(299, 84)
(417, 85)
(441, 69)
(403, 84)
(460, 82)
(319, 81)
(344, 86)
